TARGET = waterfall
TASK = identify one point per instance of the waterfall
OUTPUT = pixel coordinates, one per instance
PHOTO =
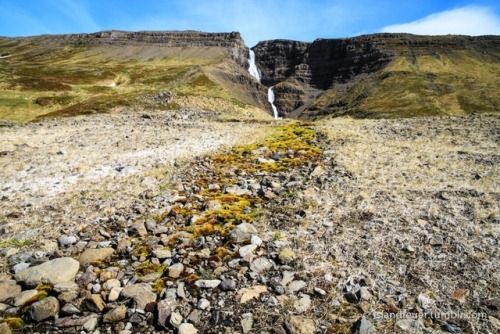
(270, 98)
(252, 66)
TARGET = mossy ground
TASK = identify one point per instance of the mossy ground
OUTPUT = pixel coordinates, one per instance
(42, 81)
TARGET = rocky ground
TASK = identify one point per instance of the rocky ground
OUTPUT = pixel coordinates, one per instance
(345, 226)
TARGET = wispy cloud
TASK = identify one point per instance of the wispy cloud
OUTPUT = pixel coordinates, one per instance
(77, 14)
(470, 20)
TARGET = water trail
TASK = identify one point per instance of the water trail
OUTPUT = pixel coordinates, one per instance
(270, 98)
(252, 66)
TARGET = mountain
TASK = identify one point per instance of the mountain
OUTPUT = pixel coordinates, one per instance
(376, 76)
(64, 75)
(383, 75)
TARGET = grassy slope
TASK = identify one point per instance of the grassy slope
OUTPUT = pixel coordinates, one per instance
(456, 82)
(39, 80)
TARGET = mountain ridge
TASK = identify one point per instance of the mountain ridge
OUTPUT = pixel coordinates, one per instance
(326, 77)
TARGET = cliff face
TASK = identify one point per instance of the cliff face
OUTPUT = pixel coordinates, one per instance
(344, 68)
(232, 43)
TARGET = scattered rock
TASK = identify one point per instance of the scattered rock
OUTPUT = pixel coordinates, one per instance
(203, 304)
(59, 270)
(9, 290)
(228, 285)
(94, 255)
(364, 326)
(300, 325)
(246, 250)
(408, 325)
(4, 328)
(247, 294)
(242, 233)
(176, 319)
(261, 265)
(24, 297)
(296, 286)
(186, 328)
(436, 240)
(207, 284)
(165, 308)
(247, 323)
(175, 270)
(117, 314)
(141, 293)
(44, 309)
(93, 303)
(65, 240)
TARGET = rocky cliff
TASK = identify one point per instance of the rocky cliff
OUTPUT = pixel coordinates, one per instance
(343, 73)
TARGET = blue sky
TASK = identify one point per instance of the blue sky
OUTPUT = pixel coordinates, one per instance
(257, 20)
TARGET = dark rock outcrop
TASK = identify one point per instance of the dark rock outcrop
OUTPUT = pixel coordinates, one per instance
(303, 71)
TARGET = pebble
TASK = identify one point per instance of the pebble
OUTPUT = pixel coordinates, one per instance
(65, 240)
(261, 264)
(408, 325)
(24, 296)
(286, 256)
(94, 255)
(255, 240)
(55, 271)
(176, 319)
(9, 290)
(141, 293)
(175, 270)
(207, 284)
(228, 285)
(246, 250)
(187, 328)
(117, 314)
(242, 233)
(44, 309)
(296, 286)
(165, 309)
(203, 304)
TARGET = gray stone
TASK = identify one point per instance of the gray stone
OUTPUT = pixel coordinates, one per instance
(300, 325)
(242, 233)
(408, 325)
(181, 292)
(436, 240)
(162, 253)
(207, 284)
(67, 297)
(24, 296)
(111, 283)
(94, 255)
(187, 329)
(261, 264)
(364, 326)
(20, 266)
(296, 286)
(175, 270)
(9, 290)
(114, 294)
(203, 304)
(65, 287)
(67, 240)
(44, 309)
(117, 314)
(303, 304)
(228, 285)
(72, 322)
(247, 323)
(255, 240)
(364, 294)
(138, 228)
(176, 319)
(70, 309)
(246, 250)
(91, 323)
(56, 271)
(165, 308)
(93, 303)
(141, 293)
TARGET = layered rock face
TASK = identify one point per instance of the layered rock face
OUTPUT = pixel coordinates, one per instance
(303, 71)
(231, 42)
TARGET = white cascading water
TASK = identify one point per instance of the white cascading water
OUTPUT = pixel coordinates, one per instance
(270, 98)
(252, 68)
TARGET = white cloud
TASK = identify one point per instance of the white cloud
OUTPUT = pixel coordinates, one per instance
(470, 20)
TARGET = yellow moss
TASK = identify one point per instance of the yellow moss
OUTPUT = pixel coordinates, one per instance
(159, 285)
(15, 323)
(149, 268)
